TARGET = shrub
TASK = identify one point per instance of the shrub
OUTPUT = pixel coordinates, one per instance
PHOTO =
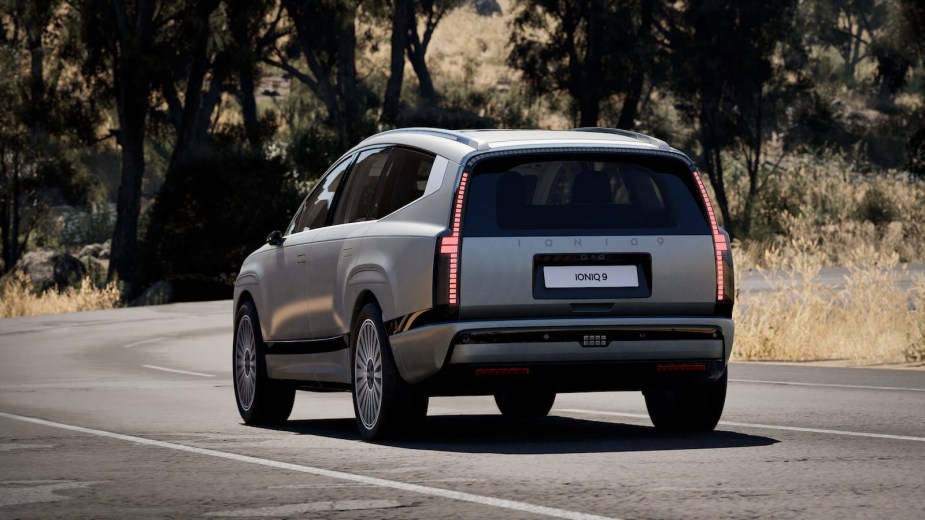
(211, 213)
(876, 207)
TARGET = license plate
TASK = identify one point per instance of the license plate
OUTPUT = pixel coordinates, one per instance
(585, 276)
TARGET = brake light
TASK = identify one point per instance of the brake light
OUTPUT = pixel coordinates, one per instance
(720, 245)
(448, 248)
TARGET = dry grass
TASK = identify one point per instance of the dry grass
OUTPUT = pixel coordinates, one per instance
(819, 212)
(870, 320)
(468, 49)
(18, 298)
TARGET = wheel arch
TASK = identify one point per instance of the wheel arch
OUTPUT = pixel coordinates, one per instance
(365, 297)
(247, 295)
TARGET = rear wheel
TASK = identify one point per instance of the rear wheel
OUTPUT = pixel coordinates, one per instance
(687, 409)
(384, 404)
(260, 399)
(525, 403)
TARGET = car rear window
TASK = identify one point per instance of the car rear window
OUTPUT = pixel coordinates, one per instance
(603, 194)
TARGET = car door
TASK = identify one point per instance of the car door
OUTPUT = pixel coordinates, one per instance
(334, 250)
(287, 276)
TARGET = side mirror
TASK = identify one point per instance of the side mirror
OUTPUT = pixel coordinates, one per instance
(275, 238)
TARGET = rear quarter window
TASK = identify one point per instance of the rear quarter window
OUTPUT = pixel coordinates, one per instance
(601, 194)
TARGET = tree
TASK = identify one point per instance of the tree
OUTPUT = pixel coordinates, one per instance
(848, 26)
(723, 62)
(897, 47)
(324, 34)
(427, 13)
(252, 36)
(123, 40)
(401, 15)
(139, 50)
(590, 49)
(42, 112)
(911, 16)
(195, 59)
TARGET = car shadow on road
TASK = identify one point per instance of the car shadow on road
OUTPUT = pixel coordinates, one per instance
(549, 435)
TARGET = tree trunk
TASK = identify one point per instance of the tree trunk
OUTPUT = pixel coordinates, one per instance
(630, 110)
(132, 84)
(132, 89)
(347, 76)
(590, 102)
(207, 108)
(753, 164)
(5, 207)
(247, 84)
(392, 99)
(247, 71)
(192, 100)
(38, 107)
(589, 109)
(425, 83)
(714, 163)
(15, 249)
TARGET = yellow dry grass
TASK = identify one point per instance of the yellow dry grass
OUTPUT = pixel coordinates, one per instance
(871, 319)
(826, 221)
(471, 50)
(18, 298)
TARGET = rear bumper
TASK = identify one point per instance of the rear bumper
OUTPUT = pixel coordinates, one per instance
(569, 343)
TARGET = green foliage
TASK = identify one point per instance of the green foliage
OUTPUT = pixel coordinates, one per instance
(177, 90)
(311, 151)
(590, 49)
(210, 215)
(876, 207)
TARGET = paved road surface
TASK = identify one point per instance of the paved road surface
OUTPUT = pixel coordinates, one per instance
(766, 280)
(130, 414)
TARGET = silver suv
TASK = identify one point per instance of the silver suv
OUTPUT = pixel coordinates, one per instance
(513, 263)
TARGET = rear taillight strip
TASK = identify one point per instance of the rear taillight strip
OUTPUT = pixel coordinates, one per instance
(720, 245)
(450, 244)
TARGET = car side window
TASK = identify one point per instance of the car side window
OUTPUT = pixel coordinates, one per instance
(314, 210)
(353, 205)
(404, 182)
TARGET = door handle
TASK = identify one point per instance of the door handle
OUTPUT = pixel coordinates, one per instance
(300, 259)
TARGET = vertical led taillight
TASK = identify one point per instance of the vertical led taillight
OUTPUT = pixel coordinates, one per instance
(448, 248)
(720, 244)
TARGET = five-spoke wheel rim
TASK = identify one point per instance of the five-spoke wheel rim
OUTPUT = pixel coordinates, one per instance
(367, 378)
(245, 363)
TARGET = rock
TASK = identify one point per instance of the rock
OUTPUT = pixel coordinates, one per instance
(92, 250)
(96, 269)
(100, 251)
(158, 294)
(486, 7)
(51, 269)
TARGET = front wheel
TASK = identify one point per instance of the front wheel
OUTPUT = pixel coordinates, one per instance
(687, 409)
(260, 399)
(385, 405)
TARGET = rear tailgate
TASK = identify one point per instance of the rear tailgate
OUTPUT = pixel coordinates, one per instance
(573, 234)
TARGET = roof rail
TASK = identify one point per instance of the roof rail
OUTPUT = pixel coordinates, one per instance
(662, 145)
(437, 132)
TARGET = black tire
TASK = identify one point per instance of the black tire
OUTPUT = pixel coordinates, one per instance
(525, 403)
(260, 399)
(401, 407)
(690, 409)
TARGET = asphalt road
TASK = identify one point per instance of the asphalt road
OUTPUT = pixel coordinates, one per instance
(753, 281)
(130, 414)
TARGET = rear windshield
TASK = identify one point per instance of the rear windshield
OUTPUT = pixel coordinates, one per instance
(582, 195)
